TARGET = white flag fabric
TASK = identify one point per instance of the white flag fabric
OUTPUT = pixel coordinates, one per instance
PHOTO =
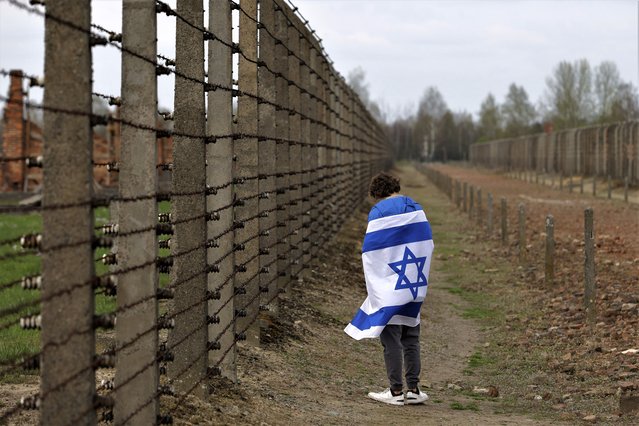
(396, 255)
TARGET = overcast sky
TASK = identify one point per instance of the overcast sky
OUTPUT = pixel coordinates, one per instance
(465, 48)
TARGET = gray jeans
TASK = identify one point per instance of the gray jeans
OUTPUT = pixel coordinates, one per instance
(401, 341)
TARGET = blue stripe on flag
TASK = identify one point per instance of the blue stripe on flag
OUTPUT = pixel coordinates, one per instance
(364, 321)
(398, 235)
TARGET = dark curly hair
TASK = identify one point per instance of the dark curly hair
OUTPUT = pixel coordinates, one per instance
(383, 185)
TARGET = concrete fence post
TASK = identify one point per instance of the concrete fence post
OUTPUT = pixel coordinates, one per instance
(305, 203)
(589, 267)
(363, 183)
(357, 157)
(335, 140)
(219, 171)
(67, 356)
(188, 339)
(267, 167)
(282, 153)
(295, 154)
(504, 222)
(549, 263)
(247, 165)
(339, 155)
(314, 159)
(522, 232)
(609, 181)
(324, 156)
(137, 177)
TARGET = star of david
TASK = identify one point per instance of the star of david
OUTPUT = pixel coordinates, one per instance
(400, 269)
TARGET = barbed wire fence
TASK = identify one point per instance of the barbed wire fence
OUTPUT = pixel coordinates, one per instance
(266, 165)
(608, 151)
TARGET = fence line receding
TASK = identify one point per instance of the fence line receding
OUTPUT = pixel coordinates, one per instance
(604, 151)
(219, 205)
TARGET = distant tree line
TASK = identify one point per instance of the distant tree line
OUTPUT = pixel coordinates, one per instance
(576, 95)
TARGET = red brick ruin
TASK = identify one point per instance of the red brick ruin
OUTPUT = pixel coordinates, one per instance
(22, 138)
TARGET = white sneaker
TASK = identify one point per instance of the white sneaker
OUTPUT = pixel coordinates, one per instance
(416, 398)
(387, 397)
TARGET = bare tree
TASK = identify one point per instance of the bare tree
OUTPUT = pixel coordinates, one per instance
(569, 98)
(432, 104)
(625, 105)
(607, 82)
(490, 120)
(517, 111)
(356, 79)
(432, 108)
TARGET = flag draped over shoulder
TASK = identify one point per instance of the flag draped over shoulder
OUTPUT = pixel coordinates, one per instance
(396, 255)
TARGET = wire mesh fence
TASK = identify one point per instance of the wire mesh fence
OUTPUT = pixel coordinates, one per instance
(610, 150)
(155, 284)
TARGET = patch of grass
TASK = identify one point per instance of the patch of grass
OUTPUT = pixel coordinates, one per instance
(472, 406)
(455, 290)
(14, 341)
(479, 312)
(478, 359)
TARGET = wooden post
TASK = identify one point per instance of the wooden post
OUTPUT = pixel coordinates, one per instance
(489, 214)
(522, 233)
(465, 197)
(504, 222)
(589, 266)
(549, 269)
(479, 209)
(471, 202)
(609, 187)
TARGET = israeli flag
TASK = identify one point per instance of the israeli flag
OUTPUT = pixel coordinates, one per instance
(396, 255)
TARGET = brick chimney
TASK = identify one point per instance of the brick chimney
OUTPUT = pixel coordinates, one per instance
(12, 173)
